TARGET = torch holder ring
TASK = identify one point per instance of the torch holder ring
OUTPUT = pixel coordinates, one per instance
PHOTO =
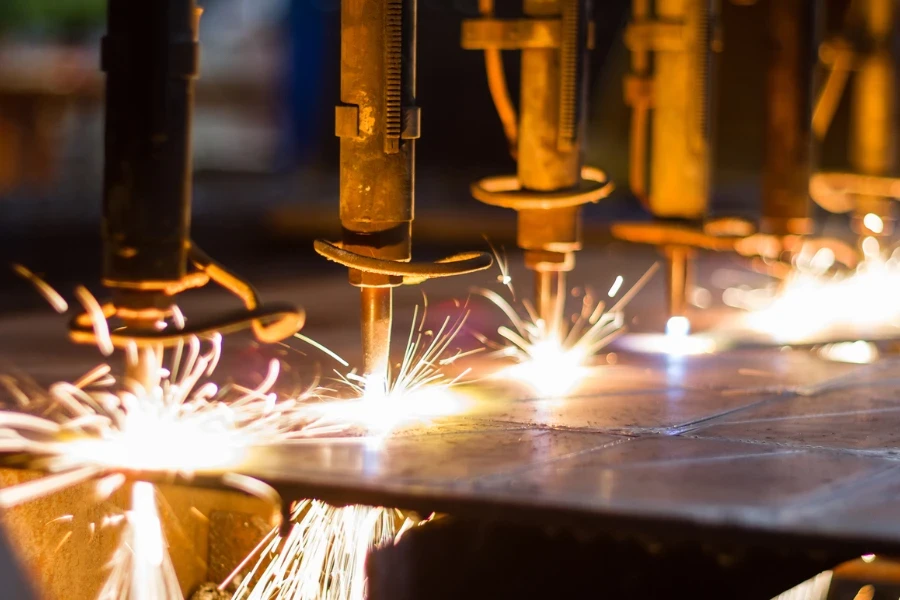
(408, 273)
(767, 247)
(270, 322)
(836, 192)
(506, 191)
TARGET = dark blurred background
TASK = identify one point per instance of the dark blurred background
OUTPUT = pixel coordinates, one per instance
(265, 153)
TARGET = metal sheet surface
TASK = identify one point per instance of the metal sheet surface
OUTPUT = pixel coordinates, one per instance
(797, 449)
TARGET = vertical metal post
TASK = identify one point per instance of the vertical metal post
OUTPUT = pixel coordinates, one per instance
(680, 153)
(151, 56)
(873, 118)
(550, 152)
(792, 43)
(377, 123)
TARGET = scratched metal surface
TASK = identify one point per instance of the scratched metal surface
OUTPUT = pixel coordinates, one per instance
(795, 448)
(770, 444)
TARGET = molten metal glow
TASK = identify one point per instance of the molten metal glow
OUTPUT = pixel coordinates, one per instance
(859, 352)
(678, 327)
(812, 304)
(552, 357)
(873, 223)
(324, 555)
(416, 392)
(669, 345)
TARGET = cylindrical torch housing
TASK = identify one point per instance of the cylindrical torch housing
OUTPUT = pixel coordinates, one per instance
(150, 55)
(792, 36)
(680, 161)
(873, 110)
(551, 130)
(378, 122)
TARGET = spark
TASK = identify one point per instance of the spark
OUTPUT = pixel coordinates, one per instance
(417, 391)
(53, 298)
(141, 568)
(873, 223)
(323, 556)
(552, 357)
(812, 304)
(677, 341)
(616, 286)
(98, 319)
(99, 428)
(859, 352)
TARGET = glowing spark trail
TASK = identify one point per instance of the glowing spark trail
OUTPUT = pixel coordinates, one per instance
(324, 555)
(97, 427)
(416, 392)
(141, 568)
(551, 357)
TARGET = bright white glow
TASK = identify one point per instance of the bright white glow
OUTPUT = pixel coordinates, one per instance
(324, 555)
(551, 370)
(379, 414)
(822, 260)
(551, 358)
(701, 297)
(417, 393)
(873, 223)
(812, 303)
(858, 352)
(868, 558)
(149, 546)
(871, 248)
(616, 286)
(670, 345)
(163, 442)
(141, 568)
(678, 327)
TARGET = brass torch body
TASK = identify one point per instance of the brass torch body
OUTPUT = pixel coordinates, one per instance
(873, 116)
(549, 236)
(680, 140)
(678, 76)
(377, 124)
(791, 45)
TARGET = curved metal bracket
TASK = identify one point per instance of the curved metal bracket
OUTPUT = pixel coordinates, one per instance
(506, 191)
(757, 245)
(410, 272)
(270, 323)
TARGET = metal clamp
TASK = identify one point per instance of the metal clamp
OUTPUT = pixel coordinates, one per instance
(506, 191)
(511, 34)
(655, 36)
(409, 273)
(768, 247)
(270, 323)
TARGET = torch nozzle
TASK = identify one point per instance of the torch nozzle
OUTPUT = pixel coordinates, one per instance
(678, 280)
(375, 322)
(550, 298)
